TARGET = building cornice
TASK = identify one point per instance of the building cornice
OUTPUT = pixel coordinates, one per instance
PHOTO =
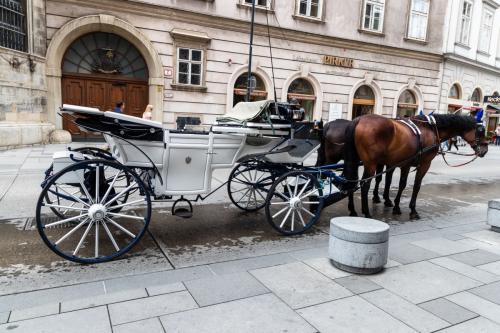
(217, 22)
(473, 63)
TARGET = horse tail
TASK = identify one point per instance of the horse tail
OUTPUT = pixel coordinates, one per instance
(322, 148)
(351, 157)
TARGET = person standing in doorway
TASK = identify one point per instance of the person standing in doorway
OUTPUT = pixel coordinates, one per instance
(497, 133)
(119, 107)
(148, 113)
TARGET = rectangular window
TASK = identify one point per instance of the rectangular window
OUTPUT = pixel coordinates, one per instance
(13, 25)
(260, 3)
(189, 66)
(373, 15)
(419, 17)
(310, 8)
(485, 33)
(465, 22)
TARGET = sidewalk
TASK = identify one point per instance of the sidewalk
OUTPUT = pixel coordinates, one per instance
(443, 275)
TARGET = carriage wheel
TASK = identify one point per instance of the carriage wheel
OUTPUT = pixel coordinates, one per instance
(294, 202)
(248, 186)
(92, 230)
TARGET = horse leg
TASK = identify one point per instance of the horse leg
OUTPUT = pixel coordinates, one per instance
(402, 184)
(365, 188)
(421, 171)
(350, 205)
(388, 181)
(378, 179)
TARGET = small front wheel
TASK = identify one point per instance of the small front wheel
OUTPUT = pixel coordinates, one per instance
(294, 202)
(107, 211)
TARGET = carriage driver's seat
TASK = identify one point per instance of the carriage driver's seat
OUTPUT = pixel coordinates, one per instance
(244, 112)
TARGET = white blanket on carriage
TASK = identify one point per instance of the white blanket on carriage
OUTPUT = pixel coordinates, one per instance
(245, 111)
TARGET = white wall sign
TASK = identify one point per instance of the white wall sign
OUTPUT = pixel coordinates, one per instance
(335, 111)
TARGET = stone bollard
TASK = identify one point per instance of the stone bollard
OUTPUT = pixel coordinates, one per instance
(358, 245)
(494, 214)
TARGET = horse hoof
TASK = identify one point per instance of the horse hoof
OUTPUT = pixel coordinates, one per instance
(388, 203)
(376, 200)
(353, 214)
(414, 216)
(368, 216)
(396, 211)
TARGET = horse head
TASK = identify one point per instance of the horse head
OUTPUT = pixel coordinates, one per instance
(476, 138)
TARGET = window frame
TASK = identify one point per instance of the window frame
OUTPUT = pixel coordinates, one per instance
(486, 48)
(365, 4)
(309, 6)
(24, 27)
(190, 62)
(411, 13)
(268, 6)
(460, 35)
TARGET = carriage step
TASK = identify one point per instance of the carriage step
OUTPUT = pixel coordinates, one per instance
(185, 210)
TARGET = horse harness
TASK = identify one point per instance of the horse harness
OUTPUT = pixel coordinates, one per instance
(418, 134)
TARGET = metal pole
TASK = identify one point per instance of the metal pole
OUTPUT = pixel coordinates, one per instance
(249, 73)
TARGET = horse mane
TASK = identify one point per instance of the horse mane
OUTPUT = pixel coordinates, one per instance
(444, 121)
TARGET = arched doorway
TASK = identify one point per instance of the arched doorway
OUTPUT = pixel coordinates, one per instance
(364, 102)
(258, 92)
(98, 70)
(455, 93)
(302, 91)
(477, 96)
(407, 104)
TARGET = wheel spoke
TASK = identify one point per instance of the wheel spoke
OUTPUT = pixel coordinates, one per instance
(80, 243)
(280, 212)
(127, 216)
(304, 188)
(308, 212)
(286, 217)
(308, 194)
(296, 186)
(263, 198)
(71, 195)
(120, 227)
(127, 204)
(244, 195)
(86, 191)
(66, 207)
(71, 232)
(97, 171)
(301, 218)
(280, 203)
(116, 197)
(293, 220)
(311, 202)
(110, 187)
(74, 218)
(97, 237)
(104, 225)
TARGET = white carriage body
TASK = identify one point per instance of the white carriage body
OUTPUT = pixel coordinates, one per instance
(185, 160)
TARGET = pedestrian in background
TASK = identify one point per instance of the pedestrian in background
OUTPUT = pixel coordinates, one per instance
(148, 113)
(497, 133)
(119, 107)
(453, 142)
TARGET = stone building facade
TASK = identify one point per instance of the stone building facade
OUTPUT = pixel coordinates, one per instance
(471, 67)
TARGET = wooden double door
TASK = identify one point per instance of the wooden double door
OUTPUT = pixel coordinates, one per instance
(103, 93)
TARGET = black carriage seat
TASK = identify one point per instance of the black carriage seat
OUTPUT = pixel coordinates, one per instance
(263, 112)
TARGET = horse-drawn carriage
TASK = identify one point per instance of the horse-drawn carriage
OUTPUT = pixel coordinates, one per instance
(96, 204)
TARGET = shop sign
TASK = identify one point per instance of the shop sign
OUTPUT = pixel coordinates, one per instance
(493, 99)
(338, 61)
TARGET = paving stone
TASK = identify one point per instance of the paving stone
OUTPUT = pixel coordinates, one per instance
(4, 316)
(157, 278)
(407, 312)
(317, 252)
(152, 325)
(487, 236)
(493, 267)
(144, 308)
(392, 263)
(47, 296)
(480, 324)
(224, 288)
(476, 257)
(443, 246)
(352, 314)
(469, 271)
(34, 312)
(263, 314)
(453, 237)
(165, 289)
(90, 302)
(244, 265)
(357, 284)
(325, 267)
(299, 285)
(423, 281)
(492, 248)
(491, 292)
(448, 311)
(407, 253)
(477, 304)
(93, 320)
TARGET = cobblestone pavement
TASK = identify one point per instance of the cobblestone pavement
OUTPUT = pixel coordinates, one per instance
(224, 271)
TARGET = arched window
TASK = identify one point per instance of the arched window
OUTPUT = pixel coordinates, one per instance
(258, 93)
(104, 54)
(302, 91)
(477, 96)
(364, 102)
(407, 104)
(455, 92)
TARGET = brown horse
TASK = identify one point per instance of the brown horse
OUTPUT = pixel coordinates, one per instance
(377, 140)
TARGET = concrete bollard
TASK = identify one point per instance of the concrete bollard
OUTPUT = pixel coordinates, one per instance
(358, 245)
(494, 214)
